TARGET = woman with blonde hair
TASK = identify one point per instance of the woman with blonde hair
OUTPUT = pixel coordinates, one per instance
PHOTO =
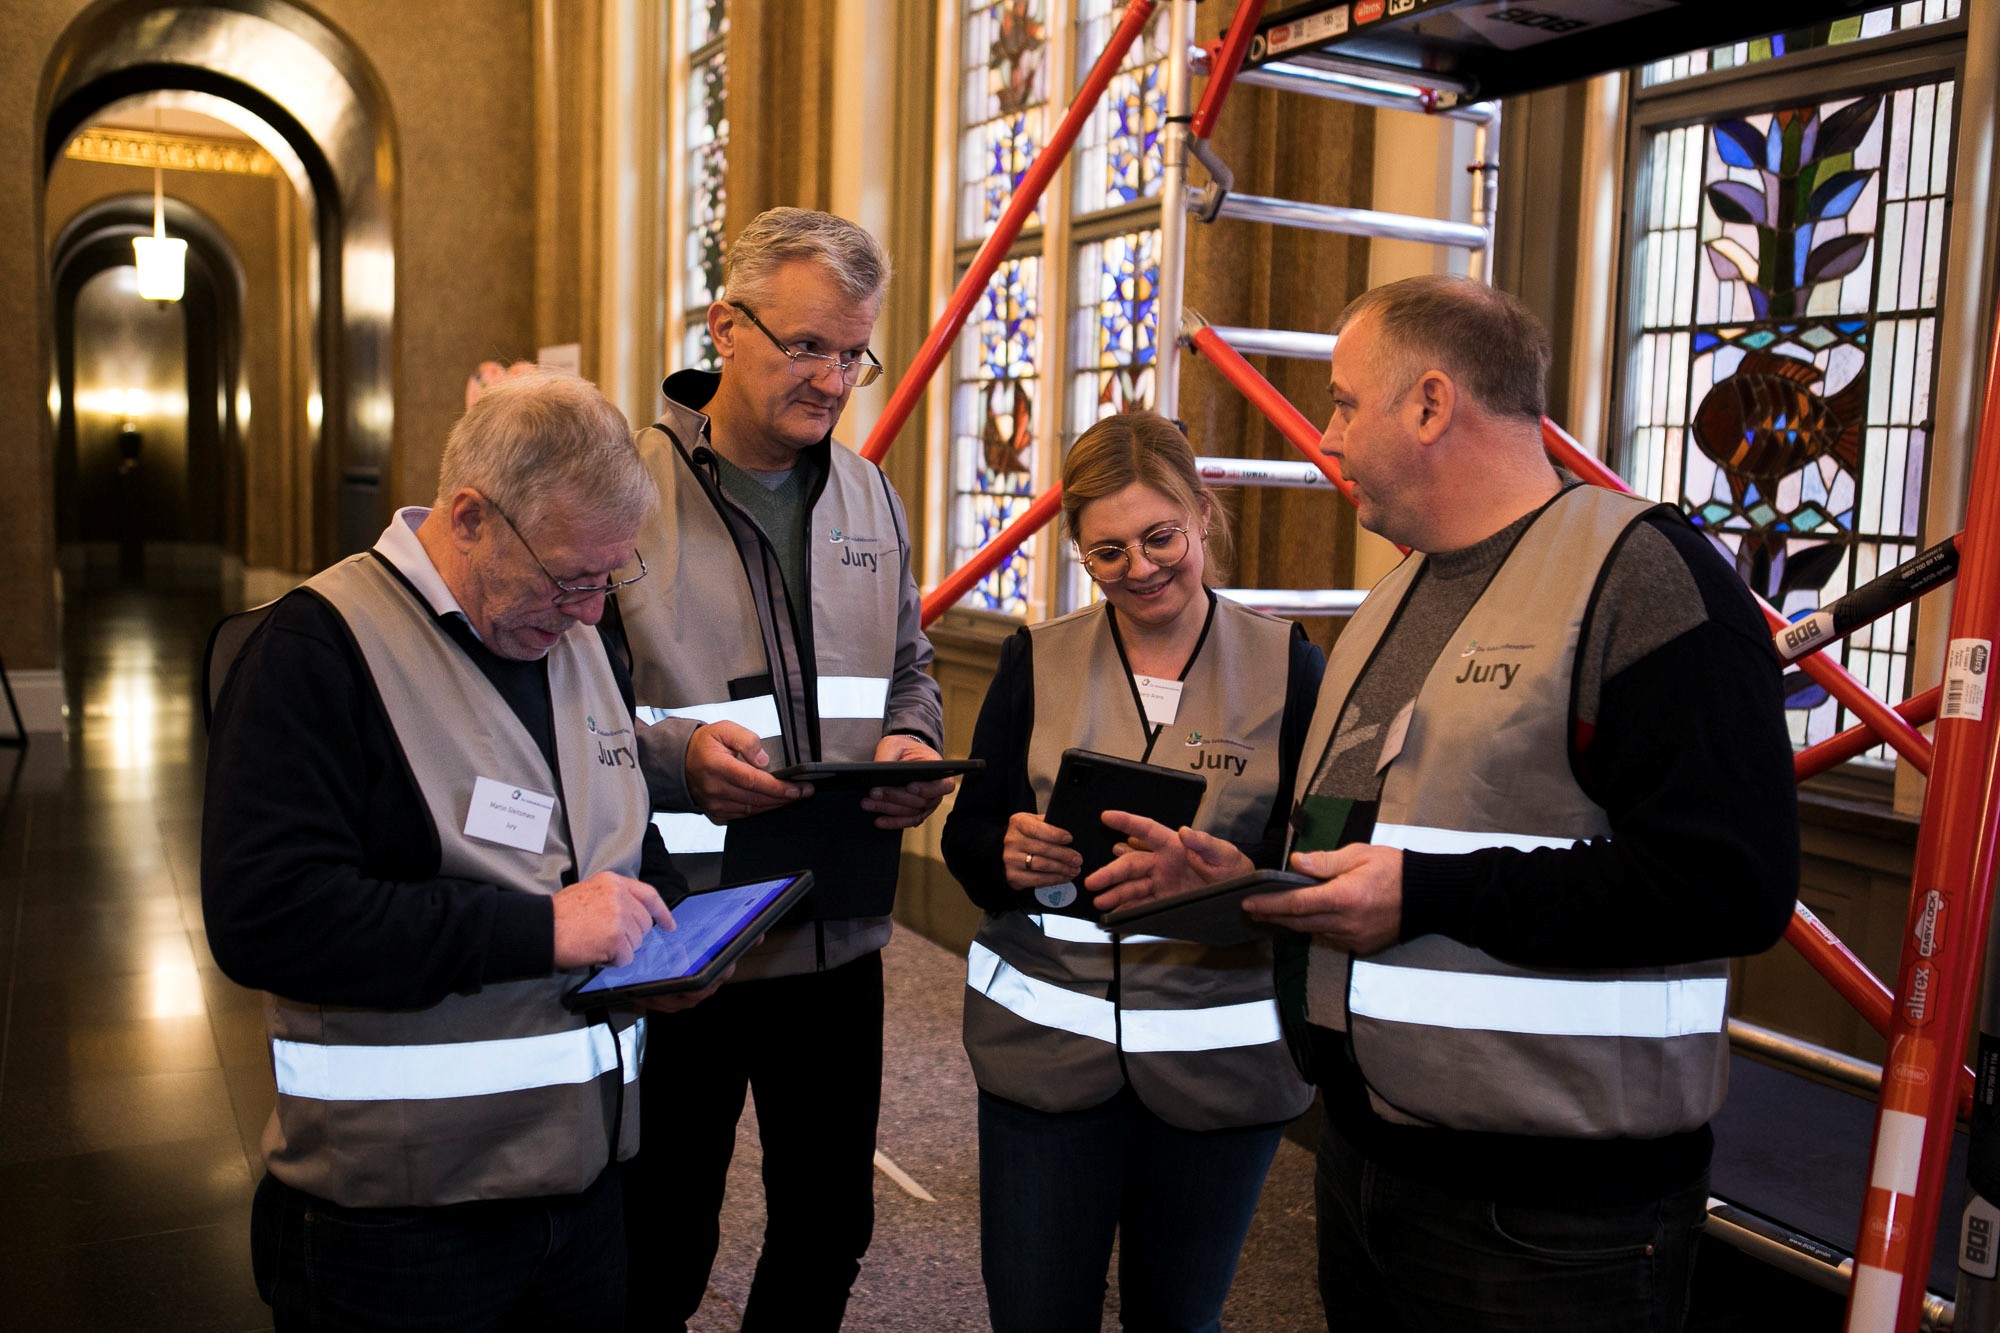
(1129, 1086)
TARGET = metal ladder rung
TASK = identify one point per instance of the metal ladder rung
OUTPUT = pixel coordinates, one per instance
(1297, 601)
(1276, 472)
(1277, 342)
(1379, 71)
(1309, 82)
(1353, 221)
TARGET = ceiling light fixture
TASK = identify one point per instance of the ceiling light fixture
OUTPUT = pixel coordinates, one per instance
(162, 260)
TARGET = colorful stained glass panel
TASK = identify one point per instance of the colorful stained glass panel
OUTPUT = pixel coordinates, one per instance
(705, 153)
(1833, 32)
(1119, 153)
(994, 427)
(1787, 274)
(1003, 84)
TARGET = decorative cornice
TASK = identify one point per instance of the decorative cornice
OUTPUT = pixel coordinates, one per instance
(177, 152)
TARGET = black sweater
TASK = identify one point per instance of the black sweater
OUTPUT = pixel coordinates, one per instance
(319, 862)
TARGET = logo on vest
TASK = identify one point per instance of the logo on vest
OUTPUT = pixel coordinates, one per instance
(853, 559)
(590, 725)
(1221, 761)
(1501, 672)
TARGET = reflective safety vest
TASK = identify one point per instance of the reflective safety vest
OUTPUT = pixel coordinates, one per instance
(1444, 1033)
(714, 636)
(1060, 1014)
(499, 1092)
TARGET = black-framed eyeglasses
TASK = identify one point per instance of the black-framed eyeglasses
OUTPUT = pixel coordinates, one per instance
(1165, 546)
(566, 591)
(812, 365)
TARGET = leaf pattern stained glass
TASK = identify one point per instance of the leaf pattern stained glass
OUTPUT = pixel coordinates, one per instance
(1786, 288)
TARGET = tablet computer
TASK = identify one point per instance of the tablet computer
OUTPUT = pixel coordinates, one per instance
(713, 928)
(1087, 785)
(885, 773)
(1211, 915)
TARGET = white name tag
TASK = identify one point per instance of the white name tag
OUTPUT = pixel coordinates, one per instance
(1160, 698)
(511, 816)
(1399, 731)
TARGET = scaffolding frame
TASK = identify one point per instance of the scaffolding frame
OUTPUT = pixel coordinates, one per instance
(1924, 1087)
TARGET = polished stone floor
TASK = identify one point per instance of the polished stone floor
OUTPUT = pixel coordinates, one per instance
(134, 1082)
(132, 1076)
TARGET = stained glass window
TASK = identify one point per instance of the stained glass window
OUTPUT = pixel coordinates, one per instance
(1003, 96)
(1833, 32)
(1113, 349)
(1118, 155)
(994, 427)
(1787, 275)
(1113, 331)
(705, 144)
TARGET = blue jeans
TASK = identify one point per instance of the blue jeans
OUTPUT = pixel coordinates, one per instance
(1399, 1254)
(1055, 1188)
(549, 1263)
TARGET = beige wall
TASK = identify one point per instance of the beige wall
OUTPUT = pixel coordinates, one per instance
(455, 78)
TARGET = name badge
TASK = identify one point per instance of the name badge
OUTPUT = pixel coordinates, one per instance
(511, 816)
(1399, 731)
(1160, 698)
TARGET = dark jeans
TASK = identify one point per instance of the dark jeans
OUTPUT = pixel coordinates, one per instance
(809, 1048)
(556, 1262)
(1398, 1254)
(1055, 1188)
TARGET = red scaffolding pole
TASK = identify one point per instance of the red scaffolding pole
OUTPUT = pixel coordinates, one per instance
(1950, 901)
(966, 297)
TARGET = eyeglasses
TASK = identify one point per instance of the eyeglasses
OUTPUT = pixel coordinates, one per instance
(812, 365)
(1165, 546)
(565, 591)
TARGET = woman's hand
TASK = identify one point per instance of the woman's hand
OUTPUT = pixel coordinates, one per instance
(1155, 861)
(1037, 854)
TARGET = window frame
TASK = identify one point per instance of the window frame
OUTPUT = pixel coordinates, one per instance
(1884, 64)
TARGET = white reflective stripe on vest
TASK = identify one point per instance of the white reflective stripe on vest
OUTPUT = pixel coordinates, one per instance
(453, 1069)
(1546, 1006)
(853, 696)
(1075, 930)
(1146, 1031)
(1418, 838)
(759, 713)
(688, 834)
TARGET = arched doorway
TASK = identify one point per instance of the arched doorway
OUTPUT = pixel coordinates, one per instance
(314, 103)
(150, 402)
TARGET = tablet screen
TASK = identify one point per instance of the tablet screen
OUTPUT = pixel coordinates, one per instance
(705, 923)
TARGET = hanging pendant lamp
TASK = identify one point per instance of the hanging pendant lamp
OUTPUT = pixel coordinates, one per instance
(162, 260)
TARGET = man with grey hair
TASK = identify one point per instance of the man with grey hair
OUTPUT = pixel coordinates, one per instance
(425, 822)
(1547, 796)
(782, 627)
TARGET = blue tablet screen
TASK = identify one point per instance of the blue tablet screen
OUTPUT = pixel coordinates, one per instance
(704, 922)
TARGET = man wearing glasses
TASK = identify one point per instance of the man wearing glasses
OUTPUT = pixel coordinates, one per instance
(781, 625)
(424, 823)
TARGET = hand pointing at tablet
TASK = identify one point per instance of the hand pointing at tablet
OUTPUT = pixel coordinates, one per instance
(603, 918)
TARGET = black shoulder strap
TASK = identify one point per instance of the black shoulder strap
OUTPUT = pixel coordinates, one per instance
(225, 644)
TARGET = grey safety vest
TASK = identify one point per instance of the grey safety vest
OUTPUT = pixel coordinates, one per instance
(713, 640)
(499, 1092)
(1444, 1033)
(1194, 1029)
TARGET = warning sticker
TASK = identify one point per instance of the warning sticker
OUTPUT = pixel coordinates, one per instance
(1965, 667)
(1307, 31)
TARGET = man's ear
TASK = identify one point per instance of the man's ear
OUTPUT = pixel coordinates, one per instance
(722, 328)
(1434, 401)
(467, 514)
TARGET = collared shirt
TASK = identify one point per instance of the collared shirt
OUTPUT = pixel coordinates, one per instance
(400, 547)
